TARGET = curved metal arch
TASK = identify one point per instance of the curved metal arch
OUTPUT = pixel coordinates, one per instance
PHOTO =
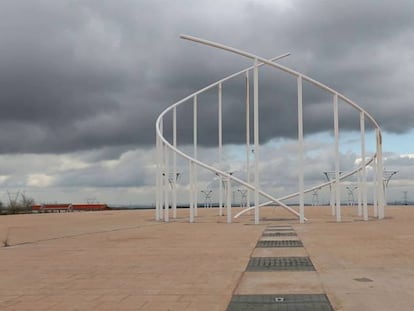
(323, 185)
(377, 156)
(206, 166)
(283, 68)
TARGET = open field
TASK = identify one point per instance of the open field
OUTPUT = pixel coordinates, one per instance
(124, 260)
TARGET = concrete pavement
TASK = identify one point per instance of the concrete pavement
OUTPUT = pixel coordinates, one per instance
(124, 260)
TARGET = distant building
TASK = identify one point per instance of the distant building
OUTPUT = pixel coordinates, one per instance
(68, 207)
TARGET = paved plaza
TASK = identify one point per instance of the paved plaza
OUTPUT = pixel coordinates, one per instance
(124, 260)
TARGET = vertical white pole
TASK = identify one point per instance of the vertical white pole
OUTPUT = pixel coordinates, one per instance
(380, 177)
(301, 156)
(167, 184)
(359, 195)
(384, 190)
(332, 200)
(195, 155)
(248, 136)
(375, 188)
(220, 147)
(191, 190)
(256, 139)
(162, 174)
(174, 190)
(157, 179)
(363, 184)
(337, 183)
(228, 186)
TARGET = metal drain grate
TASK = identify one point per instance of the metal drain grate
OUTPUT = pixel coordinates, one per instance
(279, 226)
(279, 234)
(279, 229)
(279, 219)
(284, 243)
(291, 302)
(280, 263)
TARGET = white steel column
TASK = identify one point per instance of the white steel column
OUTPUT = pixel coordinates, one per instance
(248, 136)
(380, 177)
(162, 173)
(374, 188)
(228, 203)
(174, 190)
(332, 198)
(329, 178)
(220, 147)
(167, 184)
(301, 156)
(256, 139)
(195, 155)
(337, 182)
(359, 195)
(363, 184)
(191, 190)
(157, 178)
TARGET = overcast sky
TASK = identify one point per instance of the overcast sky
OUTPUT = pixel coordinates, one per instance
(82, 82)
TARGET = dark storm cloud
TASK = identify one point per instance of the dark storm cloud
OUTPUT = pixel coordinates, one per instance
(68, 74)
(351, 47)
(79, 75)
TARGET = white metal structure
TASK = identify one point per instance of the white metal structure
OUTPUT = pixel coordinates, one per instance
(168, 150)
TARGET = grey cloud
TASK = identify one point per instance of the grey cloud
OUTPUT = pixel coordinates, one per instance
(84, 75)
(117, 174)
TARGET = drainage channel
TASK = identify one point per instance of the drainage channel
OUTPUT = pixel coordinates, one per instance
(280, 264)
(290, 302)
(280, 302)
(282, 243)
(278, 229)
(279, 234)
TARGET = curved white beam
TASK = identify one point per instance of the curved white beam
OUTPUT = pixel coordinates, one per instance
(281, 67)
(262, 62)
(206, 166)
(293, 195)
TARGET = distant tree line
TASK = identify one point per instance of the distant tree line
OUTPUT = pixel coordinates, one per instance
(18, 204)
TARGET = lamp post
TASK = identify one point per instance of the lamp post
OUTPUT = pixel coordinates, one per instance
(331, 175)
(387, 175)
(172, 180)
(243, 199)
(351, 197)
(405, 197)
(315, 197)
(207, 198)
